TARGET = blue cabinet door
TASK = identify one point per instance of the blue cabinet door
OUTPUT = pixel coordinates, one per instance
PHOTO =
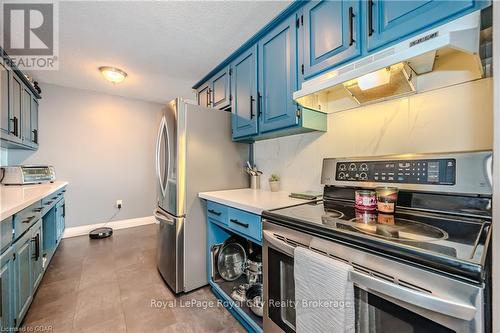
(389, 21)
(203, 95)
(7, 290)
(220, 91)
(277, 63)
(60, 213)
(5, 111)
(23, 286)
(244, 94)
(37, 255)
(331, 34)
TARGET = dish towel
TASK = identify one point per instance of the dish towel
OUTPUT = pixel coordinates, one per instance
(323, 293)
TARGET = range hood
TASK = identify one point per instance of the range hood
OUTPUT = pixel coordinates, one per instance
(440, 57)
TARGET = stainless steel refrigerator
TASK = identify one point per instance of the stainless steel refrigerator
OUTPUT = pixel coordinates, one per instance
(194, 153)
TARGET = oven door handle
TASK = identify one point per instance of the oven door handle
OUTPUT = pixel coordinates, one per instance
(447, 307)
(278, 244)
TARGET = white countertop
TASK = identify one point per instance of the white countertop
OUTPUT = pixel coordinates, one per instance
(253, 201)
(14, 198)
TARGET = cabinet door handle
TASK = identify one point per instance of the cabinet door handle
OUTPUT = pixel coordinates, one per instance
(28, 220)
(211, 211)
(35, 136)
(235, 221)
(370, 18)
(259, 107)
(351, 26)
(15, 125)
(36, 240)
(251, 106)
(64, 210)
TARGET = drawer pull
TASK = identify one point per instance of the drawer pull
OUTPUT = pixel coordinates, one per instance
(235, 221)
(49, 203)
(38, 210)
(36, 240)
(211, 211)
(28, 220)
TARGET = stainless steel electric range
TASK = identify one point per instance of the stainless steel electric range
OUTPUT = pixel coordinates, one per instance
(423, 269)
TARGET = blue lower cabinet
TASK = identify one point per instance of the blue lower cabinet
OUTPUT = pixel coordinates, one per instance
(246, 224)
(228, 223)
(60, 216)
(244, 105)
(37, 254)
(278, 77)
(7, 290)
(23, 276)
(390, 21)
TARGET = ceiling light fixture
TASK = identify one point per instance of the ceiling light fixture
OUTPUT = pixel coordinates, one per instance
(112, 74)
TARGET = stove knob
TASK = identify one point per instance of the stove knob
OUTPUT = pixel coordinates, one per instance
(363, 176)
(342, 167)
(341, 175)
(363, 167)
(352, 167)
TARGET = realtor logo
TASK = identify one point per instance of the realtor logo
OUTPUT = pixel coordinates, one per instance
(30, 34)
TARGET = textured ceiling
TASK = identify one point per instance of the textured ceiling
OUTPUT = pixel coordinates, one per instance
(164, 46)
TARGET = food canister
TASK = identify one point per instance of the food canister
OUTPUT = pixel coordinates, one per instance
(387, 197)
(365, 200)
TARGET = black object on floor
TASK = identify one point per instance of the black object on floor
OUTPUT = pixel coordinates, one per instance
(99, 233)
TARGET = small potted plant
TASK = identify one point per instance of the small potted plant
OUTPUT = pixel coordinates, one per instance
(274, 183)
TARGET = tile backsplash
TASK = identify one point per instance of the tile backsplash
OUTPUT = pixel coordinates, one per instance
(457, 118)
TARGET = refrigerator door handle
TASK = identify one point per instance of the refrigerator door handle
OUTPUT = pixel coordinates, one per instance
(163, 218)
(158, 149)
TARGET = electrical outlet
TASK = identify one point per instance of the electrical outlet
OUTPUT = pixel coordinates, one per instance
(119, 204)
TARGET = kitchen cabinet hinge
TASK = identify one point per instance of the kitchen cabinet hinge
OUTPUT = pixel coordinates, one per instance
(230, 98)
(298, 113)
(302, 20)
(14, 256)
(230, 71)
(297, 23)
(302, 69)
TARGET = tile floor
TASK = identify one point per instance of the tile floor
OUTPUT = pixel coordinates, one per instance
(109, 285)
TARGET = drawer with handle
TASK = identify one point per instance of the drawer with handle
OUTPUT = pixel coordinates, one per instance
(245, 223)
(217, 212)
(6, 228)
(26, 218)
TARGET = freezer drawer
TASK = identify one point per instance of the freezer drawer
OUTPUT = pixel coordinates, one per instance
(170, 254)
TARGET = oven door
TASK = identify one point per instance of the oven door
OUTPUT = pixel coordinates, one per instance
(378, 308)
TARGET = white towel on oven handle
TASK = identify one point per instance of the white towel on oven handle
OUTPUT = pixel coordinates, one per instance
(323, 292)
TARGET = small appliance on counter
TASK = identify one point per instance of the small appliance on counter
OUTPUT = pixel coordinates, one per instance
(27, 174)
(424, 267)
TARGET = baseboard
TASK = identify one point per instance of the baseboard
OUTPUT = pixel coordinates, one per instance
(122, 224)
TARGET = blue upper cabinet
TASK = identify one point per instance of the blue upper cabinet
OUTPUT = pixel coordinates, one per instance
(389, 21)
(220, 92)
(244, 94)
(278, 77)
(203, 95)
(331, 34)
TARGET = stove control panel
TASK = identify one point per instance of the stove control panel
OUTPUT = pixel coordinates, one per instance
(420, 171)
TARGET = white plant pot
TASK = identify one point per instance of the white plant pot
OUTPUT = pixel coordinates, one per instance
(274, 186)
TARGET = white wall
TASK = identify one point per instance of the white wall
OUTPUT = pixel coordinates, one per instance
(103, 146)
(451, 119)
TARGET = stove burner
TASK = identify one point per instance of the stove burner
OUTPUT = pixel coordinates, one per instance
(309, 212)
(399, 229)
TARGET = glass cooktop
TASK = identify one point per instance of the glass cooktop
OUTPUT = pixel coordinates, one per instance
(438, 235)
